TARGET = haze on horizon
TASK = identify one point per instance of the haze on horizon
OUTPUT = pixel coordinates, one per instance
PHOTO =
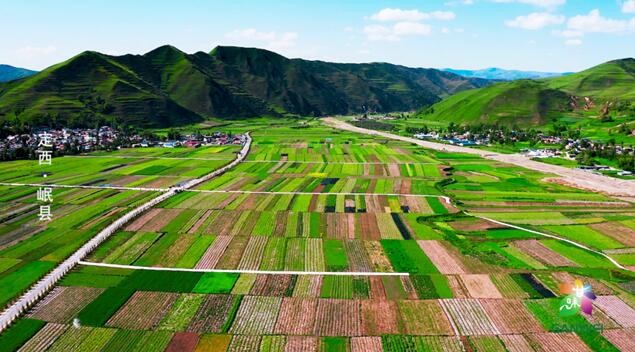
(537, 35)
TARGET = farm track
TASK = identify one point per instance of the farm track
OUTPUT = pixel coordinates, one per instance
(613, 261)
(123, 188)
(40, 288)
(245, 271)
(257, 161)
(576, 178)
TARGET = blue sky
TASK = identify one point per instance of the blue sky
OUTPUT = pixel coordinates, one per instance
(547, 35)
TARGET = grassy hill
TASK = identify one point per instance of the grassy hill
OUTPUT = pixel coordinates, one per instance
(608, 81)
(537, 102)
(167, 87)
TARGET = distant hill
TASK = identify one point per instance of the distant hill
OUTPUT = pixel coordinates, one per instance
(167, 87)
(10, 73)
(504, 75)
(534, 102)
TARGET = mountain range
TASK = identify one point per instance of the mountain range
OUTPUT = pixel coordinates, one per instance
(504, 75)
(10, 73)
(167, 87)
(592, 92)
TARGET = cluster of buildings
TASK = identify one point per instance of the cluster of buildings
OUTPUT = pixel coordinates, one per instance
(76, 140)
(195, 141)
(468, 138)
(465, 139)
(567, 148)
(85, 139)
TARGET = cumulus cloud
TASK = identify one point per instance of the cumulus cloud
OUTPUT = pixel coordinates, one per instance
(459, 2)
(544, 3)
(394, 15)
(272, 40)
(547, 4)
(389, 14)
(395, 32)
(376, 32)
(411, 28)
(594, 22)
(567, 33)
(534, 21)
(628, 6)
(405, 23)
(30, 52)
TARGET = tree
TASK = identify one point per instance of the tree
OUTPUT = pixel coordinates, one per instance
(174, 134)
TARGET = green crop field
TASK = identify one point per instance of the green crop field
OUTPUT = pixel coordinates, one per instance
(277, 252)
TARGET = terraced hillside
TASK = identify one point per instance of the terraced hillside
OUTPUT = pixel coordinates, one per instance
(329, 240)
(167, 87)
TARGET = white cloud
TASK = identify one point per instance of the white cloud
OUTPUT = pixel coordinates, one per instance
(445, 30)
(30, 52)
(534, 21)
(443, 15)
(459, 2)
(393, 33)
(567, 33)
(595, 23)
(544, 3)
(270, 40)
(376, 32)
(389, 14)
(411, 28)
(547, 4)
(628, 6)
(573, 42)
(405, 23)
(399, 15)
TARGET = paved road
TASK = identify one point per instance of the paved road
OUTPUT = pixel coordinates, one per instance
(576, 178)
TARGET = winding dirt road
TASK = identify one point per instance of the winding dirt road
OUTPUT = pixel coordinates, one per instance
(571, 177)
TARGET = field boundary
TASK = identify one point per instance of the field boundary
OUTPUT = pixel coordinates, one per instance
(54, 185)
(257, 161)
(613, 261)
(241, 271)
(183, 189)
(40, 288)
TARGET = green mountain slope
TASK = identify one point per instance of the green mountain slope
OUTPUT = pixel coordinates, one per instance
(583, 94)
(89, 89)
(168, 87)
(610, 81)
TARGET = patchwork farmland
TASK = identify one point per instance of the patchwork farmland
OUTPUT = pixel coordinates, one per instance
(320, 240)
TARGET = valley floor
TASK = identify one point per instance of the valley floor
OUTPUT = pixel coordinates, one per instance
(322, 240)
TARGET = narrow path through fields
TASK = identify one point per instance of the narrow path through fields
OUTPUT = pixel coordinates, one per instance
(256, 161)
(577, 178)
(238, 271)
(551, 236)
(123, 188)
